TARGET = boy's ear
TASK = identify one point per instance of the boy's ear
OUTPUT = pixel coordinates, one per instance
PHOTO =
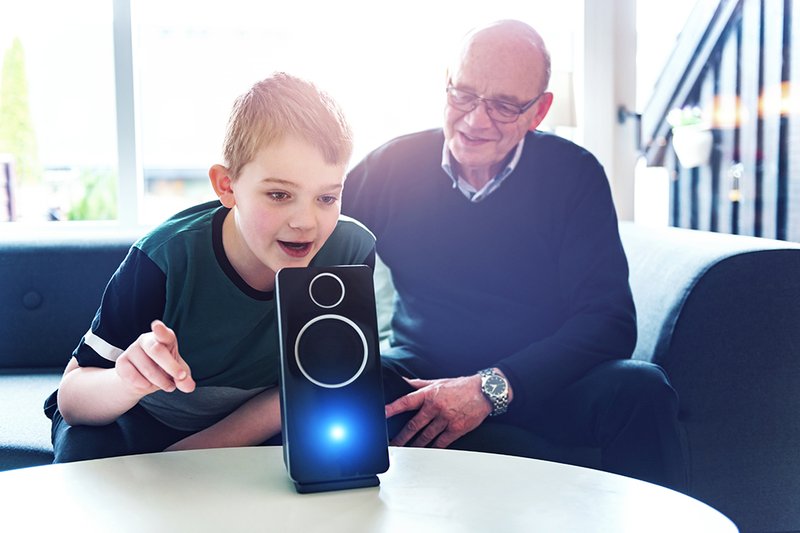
(221, 181)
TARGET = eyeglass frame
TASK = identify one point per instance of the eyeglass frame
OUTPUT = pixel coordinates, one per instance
(490, 110)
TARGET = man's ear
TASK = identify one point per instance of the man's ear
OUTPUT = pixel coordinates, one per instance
(221, 181)
(541, 107)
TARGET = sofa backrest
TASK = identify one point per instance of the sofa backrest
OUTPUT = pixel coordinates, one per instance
(666, 265)
(50, 288)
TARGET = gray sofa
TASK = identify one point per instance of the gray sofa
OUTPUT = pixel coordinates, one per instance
(720, 313)
(50, 286)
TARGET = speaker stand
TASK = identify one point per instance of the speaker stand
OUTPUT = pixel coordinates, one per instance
(342, 484)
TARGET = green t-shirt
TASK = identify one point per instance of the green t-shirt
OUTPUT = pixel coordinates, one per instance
(227, 331)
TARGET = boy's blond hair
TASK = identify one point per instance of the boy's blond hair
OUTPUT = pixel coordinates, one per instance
(283, 105)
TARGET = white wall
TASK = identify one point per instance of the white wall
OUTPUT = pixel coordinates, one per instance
(609, 81)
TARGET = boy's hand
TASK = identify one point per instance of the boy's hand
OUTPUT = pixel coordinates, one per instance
(153, 363)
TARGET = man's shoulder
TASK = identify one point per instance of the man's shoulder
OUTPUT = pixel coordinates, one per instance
(546, 145)
(413, 142)
(560, 158)
(550, 144)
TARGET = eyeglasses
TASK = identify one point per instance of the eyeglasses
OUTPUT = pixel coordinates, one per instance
(498, 110)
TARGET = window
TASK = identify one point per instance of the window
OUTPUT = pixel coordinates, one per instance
(658, 25)
(57, 114)
(385, 63)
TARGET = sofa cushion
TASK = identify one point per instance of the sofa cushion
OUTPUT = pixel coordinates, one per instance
(25, 435)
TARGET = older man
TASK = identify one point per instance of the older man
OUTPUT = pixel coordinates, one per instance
(513, 296)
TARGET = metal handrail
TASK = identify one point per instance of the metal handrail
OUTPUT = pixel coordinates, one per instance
(705, 32)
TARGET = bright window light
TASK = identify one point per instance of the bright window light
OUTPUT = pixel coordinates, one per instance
(383, 61)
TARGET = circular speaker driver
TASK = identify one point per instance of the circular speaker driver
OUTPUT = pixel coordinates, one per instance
(331, 351)
(326, 290)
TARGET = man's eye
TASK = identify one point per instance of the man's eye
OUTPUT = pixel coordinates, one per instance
(278, 196)
(461, 97)
(506, 109)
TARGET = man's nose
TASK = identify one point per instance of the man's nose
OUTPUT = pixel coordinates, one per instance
(479, 115)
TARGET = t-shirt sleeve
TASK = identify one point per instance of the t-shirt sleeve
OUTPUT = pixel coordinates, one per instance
(133, 298)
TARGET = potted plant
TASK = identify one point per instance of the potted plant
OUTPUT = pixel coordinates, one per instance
(692, 139)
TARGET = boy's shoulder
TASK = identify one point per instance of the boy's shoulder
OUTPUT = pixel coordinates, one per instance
(350, 227)
(351, 241)
(194, 222)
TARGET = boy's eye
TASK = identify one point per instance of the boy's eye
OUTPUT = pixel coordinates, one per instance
(277, 195)
(328, 199)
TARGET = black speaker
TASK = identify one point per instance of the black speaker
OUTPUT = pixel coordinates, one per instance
(332, 406)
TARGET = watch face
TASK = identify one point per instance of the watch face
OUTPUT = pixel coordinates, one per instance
(494, 385)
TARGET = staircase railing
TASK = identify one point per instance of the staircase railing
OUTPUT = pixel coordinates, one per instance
(730, 70)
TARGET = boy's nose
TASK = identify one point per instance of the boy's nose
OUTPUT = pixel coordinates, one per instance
(302, 218)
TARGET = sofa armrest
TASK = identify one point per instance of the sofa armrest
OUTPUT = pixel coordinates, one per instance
(720, 313)
(667, 264)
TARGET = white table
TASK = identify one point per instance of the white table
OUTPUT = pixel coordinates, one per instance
(247, 489)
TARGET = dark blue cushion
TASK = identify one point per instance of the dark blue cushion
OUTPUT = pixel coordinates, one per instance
(25, 434)
(50, 288)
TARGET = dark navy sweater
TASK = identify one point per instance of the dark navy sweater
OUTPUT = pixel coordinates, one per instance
(533, 279)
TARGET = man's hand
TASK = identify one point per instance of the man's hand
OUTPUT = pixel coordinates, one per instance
(448, 409)
(153, 363)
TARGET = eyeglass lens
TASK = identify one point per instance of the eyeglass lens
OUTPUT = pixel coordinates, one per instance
(496, 109)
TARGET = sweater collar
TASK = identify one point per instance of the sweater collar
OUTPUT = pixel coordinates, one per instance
(468, 190)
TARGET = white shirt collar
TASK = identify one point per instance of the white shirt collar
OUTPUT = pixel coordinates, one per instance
(490, 186)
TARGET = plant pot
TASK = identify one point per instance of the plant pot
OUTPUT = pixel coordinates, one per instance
(692, 144)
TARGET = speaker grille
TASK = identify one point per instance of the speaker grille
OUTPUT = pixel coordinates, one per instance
(331, 351)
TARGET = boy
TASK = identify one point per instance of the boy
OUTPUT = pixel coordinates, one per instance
(183, 352)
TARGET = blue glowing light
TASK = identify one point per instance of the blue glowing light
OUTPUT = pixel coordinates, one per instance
(337, 433)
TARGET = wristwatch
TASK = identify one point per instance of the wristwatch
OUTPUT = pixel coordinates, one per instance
(495, 387)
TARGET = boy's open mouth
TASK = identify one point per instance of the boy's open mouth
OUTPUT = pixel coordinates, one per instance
(295, 249)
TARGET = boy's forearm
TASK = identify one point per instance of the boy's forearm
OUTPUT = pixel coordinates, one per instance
(251, 424)
(93, 396)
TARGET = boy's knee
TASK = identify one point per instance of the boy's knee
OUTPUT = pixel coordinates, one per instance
(81, 443)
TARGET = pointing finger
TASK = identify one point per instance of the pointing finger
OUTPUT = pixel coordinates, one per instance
(163, 334)
(164, 352)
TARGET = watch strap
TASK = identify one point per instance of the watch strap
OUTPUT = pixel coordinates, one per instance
(499, 401)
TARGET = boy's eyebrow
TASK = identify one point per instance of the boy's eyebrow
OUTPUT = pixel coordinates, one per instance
(278, 181)
(281, 181)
